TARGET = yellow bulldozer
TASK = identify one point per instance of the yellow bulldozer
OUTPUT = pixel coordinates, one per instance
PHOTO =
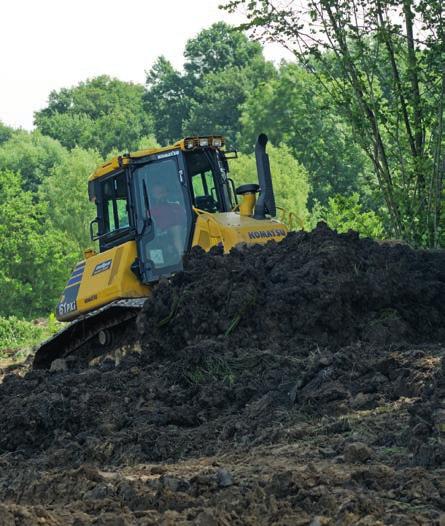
(152, 207)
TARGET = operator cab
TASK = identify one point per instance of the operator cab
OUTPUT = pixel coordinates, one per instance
(150, 197)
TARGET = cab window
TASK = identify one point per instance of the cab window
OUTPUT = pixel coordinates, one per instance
(204, 192)
(204, 185)
(115, 204)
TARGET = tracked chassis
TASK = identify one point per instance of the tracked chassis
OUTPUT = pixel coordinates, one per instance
(93, 335)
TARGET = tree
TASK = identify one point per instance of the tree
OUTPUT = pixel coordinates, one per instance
(166, 99)
(101, 113)
(221, 66)
(32, 155)
(384, 70)
(148, 142)
(217, 102)
(70, 177)
(292, 110)
(35, 258)
(289, 177)
(5, 133)
(217, 48)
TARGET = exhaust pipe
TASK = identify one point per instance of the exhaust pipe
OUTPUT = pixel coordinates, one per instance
(266, 200)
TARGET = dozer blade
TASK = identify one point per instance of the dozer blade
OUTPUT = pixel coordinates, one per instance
(97, 333)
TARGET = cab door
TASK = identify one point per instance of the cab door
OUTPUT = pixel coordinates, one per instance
(163, 216)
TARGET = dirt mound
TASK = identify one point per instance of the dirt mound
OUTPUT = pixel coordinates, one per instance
(318, 287)
(292, 383)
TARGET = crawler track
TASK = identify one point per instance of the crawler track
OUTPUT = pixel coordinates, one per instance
(79, 341)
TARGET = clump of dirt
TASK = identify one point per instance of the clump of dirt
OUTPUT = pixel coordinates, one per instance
(291, 383)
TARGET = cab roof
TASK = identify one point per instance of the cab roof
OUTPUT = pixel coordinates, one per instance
(186, 144)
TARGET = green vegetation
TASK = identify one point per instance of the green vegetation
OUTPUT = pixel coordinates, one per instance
(101, 113)
(21, 335)
(222, 66)
(381, 65)
(295, 112)
(32, 155)
(355, 125)
(211, 369)
(345, 213)
(35, 257)
(71, 215)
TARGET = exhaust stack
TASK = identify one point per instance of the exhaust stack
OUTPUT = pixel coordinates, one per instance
(266, 200)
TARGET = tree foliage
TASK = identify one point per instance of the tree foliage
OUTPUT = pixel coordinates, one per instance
(217, 102)
(218, 48)
(71, 216)
(292, 109)
(101, 113)
(33, 155)
(34, 256)
(5, 133)
(381, 61)
(346, 212)
(166, 99)
(221, 65)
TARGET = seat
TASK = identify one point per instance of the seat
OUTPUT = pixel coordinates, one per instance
(207, 203)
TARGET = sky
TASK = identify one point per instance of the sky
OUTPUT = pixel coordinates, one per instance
(49, 44)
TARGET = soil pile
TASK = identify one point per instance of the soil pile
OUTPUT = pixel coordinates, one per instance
(312, 287)
(291, 383)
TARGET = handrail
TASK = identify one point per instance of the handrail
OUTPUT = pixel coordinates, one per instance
(289, 220)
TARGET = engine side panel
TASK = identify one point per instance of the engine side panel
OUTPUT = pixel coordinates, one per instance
(230, 229)
(101, 279)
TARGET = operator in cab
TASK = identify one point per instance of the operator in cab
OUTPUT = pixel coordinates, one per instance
(169, 220)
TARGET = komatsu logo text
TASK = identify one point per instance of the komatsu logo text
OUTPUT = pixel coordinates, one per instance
(261, 234)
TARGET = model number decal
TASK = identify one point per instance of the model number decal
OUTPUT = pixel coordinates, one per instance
(65, 308)
(259, 234)
(102, 267)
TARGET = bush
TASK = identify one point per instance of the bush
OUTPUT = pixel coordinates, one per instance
(17, 334)
(344, 213)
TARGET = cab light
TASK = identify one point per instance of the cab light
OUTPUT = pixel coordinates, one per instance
(203, 141)
(217, 142)
(189, 144)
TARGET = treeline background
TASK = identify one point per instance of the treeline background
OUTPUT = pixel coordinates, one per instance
(226, 86)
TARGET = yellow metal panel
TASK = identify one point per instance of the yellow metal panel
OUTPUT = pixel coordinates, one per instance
(105, 277)
(151, 151)
(108, 167)
(231, 228)
(116, 263)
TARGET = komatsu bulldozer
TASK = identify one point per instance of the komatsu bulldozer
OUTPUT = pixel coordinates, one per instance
(152, 207)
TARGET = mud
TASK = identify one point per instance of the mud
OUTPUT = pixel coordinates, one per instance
(293, 383)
